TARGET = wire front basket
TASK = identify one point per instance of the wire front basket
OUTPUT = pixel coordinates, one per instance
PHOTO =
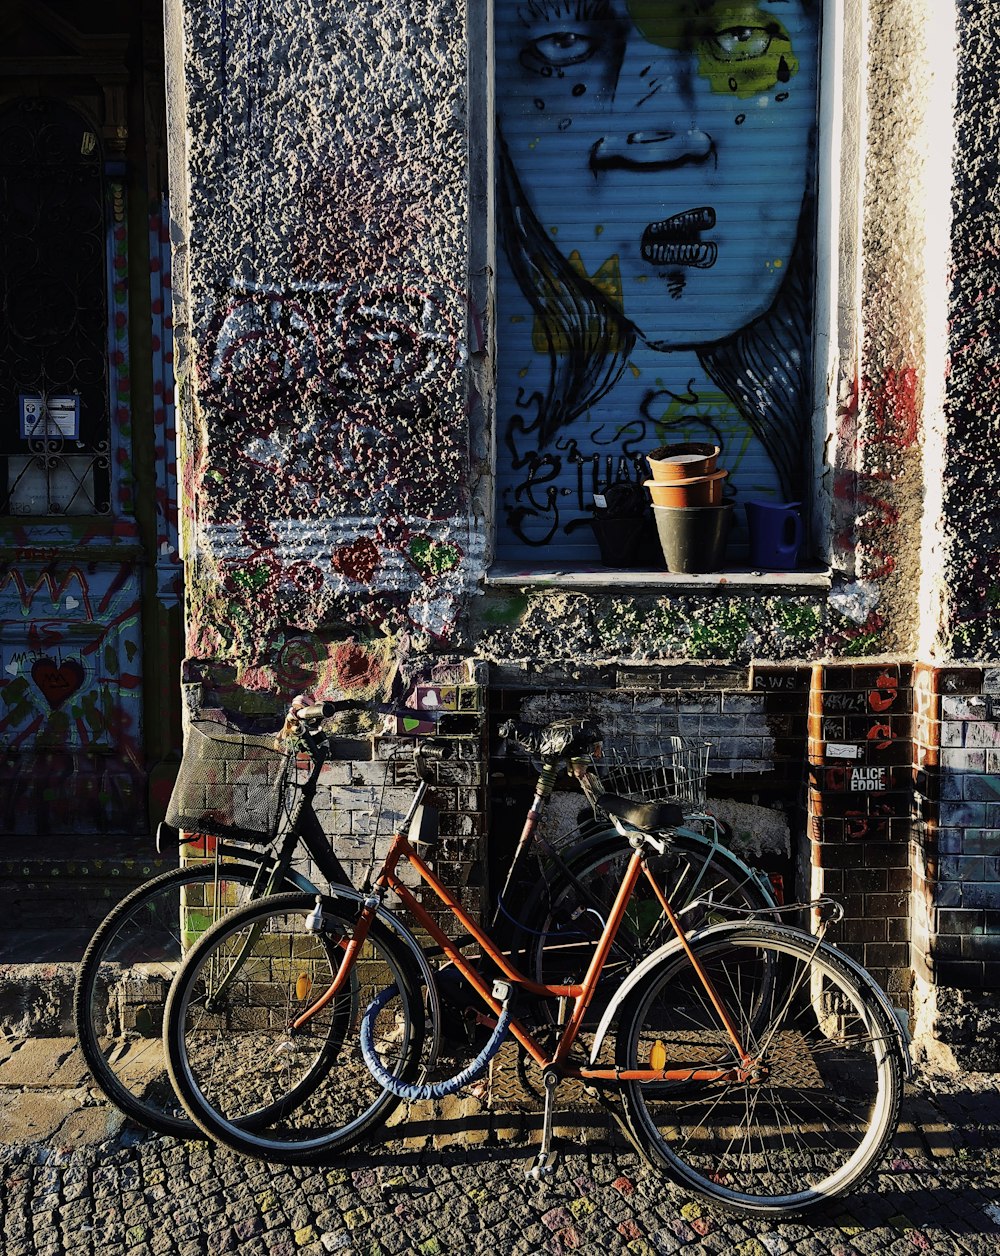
(680, 773)
(230, 784)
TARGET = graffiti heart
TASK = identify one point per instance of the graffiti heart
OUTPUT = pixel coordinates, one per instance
(57, 681)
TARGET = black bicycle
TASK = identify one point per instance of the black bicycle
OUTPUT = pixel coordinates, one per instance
(241, 792)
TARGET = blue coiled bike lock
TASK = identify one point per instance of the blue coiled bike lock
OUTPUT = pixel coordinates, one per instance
(451, 1085)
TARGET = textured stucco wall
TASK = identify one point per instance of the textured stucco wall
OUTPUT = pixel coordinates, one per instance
(326, 333)
(332, 358)
(878, 482)
(969, 518)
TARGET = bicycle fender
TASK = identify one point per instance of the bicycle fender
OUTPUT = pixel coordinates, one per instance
(635, 978)
(669, 950)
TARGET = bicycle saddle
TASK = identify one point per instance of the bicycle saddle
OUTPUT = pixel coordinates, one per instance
(649, 817)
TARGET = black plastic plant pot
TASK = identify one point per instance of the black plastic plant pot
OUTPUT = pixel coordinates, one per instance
(693, 538)
(626, 540)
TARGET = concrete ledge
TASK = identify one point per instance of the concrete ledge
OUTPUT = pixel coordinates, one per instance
(36, 1000)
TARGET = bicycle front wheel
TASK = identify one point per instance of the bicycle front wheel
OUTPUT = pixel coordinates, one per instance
(823, 1102)
(125, 975)
(245, 1075)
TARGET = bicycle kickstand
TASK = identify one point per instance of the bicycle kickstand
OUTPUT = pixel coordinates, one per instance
(544, 1162)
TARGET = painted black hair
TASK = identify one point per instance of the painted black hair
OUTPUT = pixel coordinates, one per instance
(588, 338)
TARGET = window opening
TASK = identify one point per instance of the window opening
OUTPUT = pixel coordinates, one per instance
(656, 210)
(54, 414)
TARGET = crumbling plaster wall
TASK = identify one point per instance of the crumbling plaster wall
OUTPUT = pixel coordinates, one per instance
(879, 475)
(325, 334)
(971, 543)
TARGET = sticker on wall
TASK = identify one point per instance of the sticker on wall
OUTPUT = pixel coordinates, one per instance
(838, 750)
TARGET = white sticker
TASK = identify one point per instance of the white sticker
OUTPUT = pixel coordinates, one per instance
(868, 780)
(837, 750)
(600, 501)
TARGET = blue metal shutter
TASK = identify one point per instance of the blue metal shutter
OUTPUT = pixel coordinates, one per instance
(655, 192)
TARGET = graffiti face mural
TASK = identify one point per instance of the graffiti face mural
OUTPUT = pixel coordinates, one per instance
(655, 187)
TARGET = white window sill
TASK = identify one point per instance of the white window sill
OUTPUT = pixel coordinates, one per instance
(734, 580)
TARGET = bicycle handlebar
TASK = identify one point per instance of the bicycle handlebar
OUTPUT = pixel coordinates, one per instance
(316, 711)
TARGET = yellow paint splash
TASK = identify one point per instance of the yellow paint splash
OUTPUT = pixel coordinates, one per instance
(742, 48)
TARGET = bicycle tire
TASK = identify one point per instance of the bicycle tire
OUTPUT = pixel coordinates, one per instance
(119, 1016)
(824, 1107)
(558, 942)
(248, 1082)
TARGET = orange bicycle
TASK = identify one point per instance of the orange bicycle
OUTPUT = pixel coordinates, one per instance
(758, 1065)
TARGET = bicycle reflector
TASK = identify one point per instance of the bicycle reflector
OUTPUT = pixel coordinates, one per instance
(658, 1056)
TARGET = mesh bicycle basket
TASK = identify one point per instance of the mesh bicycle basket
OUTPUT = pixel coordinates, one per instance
(229, 784)
(680, 772)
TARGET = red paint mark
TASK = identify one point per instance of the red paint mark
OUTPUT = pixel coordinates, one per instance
(893, 409)
(884, 695)
(56, 591)
(356, 667)
(882, 735)
(891, 424)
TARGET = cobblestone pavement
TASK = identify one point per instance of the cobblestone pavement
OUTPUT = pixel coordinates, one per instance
(77, 1179)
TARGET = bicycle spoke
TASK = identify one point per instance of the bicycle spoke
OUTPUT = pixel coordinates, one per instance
(250, 1079)
(819, 1106)
(125, 976)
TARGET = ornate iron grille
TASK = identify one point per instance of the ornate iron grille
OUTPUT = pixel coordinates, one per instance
(54, 409)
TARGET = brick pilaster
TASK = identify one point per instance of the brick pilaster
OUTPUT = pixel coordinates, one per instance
(859, 804)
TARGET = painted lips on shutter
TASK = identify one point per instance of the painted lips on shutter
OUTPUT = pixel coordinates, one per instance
(676, 240)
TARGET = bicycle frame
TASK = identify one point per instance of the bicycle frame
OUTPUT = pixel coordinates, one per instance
(582, 994)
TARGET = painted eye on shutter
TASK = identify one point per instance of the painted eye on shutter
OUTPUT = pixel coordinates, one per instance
(741, 43)
(563, 48)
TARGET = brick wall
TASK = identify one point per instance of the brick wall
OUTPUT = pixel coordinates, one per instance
(887, 777)
(859, 802)
(755, 721)
(956, 844)
(362, 799)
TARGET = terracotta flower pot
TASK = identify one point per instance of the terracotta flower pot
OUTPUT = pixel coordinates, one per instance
(698, 490)
(679, 462)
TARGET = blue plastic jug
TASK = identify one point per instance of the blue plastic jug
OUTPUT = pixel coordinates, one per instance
(775, 534)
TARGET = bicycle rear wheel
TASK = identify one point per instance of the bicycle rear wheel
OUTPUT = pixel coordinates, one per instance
(564, 920)
(823, 1106)
(125, 975)
(244, 1075)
